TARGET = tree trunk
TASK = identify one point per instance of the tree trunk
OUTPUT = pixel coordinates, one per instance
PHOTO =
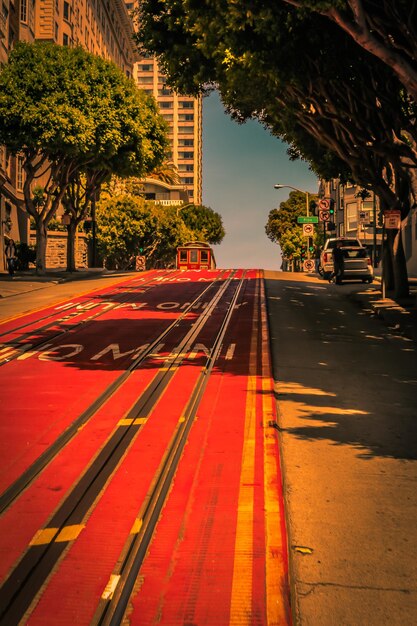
(387, 269)
(399, 265)
(41, 242)
(71, 230)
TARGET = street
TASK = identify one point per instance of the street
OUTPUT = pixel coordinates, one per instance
(148, 474)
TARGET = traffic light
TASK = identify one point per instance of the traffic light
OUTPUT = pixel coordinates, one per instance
(331, 209)
(310, 244)
(314, 208)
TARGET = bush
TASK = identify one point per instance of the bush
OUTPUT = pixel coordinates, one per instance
(25, 255)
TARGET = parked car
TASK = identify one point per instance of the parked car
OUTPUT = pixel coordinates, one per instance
(357, 264)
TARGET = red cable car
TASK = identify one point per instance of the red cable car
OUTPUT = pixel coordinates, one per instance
(195, 255)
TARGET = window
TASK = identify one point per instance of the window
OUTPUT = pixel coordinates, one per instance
(23, 11)
(193, 256)
(183, 256)
(186, 104)
(204, 256)
(66, 11)
(146, 68)
(65, 39)
(56, 31)
(186, 117)
(186, 130)
(146, 80)
(186, 167)
(351, 216)
(20, 174)
(186, 155)
(165, 105)
(189, 180)
(186, 142)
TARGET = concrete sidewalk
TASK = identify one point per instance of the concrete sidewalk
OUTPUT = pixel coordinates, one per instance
(24, 282)
(27, 291)
(400, 316)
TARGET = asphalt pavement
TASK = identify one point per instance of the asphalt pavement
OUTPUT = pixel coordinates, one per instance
(341, 573)
(400, 316)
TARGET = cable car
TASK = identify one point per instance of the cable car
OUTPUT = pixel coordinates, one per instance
(195, 255)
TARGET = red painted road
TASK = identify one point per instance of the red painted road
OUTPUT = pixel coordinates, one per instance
(218, 553)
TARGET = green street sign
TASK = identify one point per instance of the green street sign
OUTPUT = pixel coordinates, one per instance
(310, 219)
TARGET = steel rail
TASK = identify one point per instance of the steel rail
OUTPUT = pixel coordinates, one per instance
(14, 490)
(111, 610)
(25, 581)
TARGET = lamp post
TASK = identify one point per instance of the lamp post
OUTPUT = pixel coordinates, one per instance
(301, 191)
(279, 186)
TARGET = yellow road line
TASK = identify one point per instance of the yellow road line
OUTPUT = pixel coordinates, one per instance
(274, 564)
(241, 599)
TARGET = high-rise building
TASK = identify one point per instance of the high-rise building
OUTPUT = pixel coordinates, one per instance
(103, 27)
(184, 117)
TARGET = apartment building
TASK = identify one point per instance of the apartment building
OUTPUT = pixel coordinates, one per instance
(354, 215)
(103, 27)
(184, 117)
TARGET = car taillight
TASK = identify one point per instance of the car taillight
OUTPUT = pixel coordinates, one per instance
(326, 257)
(369, 261)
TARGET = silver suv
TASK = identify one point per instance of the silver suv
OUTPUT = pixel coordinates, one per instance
(357, 264)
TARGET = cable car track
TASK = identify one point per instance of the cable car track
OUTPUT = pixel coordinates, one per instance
(111, 611)
(20, 346)
(33, 569)
(28, 476)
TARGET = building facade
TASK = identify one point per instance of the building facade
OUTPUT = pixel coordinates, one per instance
(103, 27)
(358, 216)
(184, 117)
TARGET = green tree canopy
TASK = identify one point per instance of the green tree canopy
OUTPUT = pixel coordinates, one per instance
(68, 111)
(282, 227)
(205, 223)
(304, 78)
(127, 224)
(383, 28)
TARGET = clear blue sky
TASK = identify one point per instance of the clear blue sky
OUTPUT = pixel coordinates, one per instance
(241, 164)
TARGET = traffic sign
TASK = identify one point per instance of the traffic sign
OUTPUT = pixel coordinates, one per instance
(309, 265)
(392, 219)
(324, 216)
(324, 204)
(307, 219)
(308, 230)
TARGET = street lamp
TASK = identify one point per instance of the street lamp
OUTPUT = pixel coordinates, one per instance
(279, 186)
(301, 191)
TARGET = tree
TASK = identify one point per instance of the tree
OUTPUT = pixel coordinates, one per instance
(137, 149)
(304, 79)
(62, 109)
(385, 29)
(282, 228)
(206, 224)
(129, 224)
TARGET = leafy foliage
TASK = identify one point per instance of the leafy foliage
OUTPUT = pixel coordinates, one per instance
(127, 224)
(337, 105)
(69, 112)
(206, 224)
(282, 227)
